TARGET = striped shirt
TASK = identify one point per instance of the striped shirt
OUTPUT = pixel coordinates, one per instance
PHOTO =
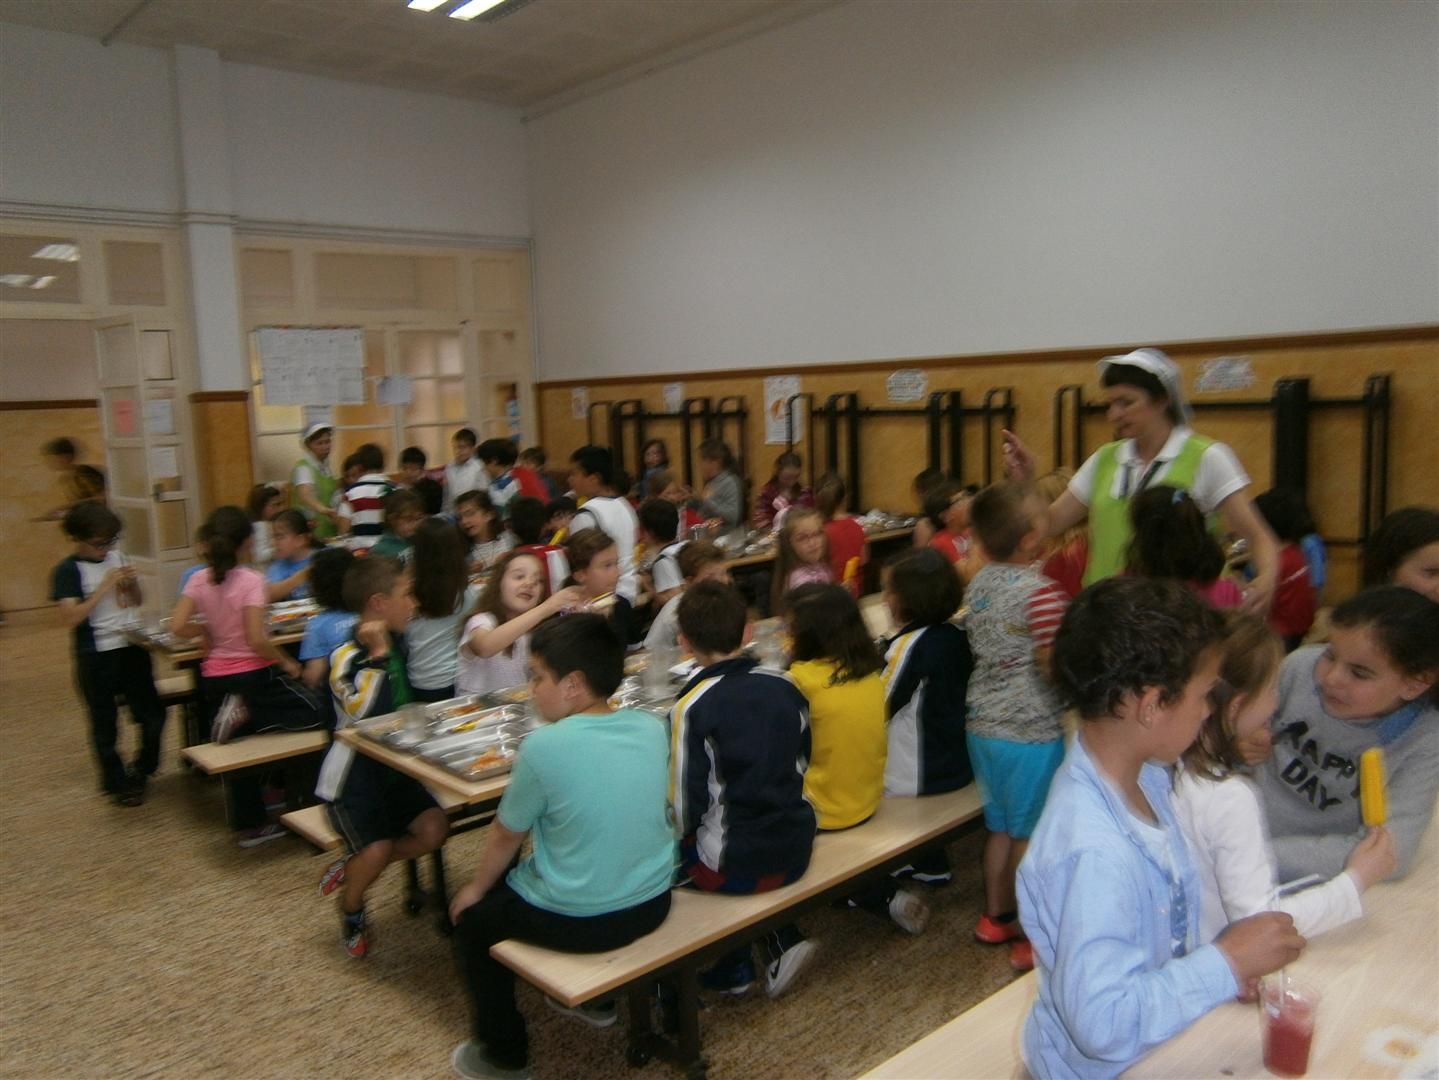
(365, 507)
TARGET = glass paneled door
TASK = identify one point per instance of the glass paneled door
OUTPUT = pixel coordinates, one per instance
(145, 422)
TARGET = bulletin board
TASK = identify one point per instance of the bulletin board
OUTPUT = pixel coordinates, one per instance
(312, 366)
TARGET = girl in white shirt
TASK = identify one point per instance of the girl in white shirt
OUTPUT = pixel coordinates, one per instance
(495, 645)
(1221, 814)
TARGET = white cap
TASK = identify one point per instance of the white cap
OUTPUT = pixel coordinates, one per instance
(313, 430)
(1158, 364)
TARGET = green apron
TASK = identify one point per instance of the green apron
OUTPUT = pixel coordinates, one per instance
(325, 487)
(1109, 525)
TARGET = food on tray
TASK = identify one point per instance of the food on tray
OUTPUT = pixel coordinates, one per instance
(515, 695)
(454, 712)
(491, 758)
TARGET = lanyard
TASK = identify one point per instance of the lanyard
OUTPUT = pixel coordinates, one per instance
(1144, 478)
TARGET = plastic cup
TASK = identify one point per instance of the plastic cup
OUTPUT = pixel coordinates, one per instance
(1287, 1009)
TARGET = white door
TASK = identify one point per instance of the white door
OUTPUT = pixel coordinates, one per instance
(145, 424)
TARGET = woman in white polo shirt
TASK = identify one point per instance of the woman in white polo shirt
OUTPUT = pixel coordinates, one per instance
(1154, 444)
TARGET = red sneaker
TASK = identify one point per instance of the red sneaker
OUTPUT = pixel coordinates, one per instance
(1021, 955)
(333, 878)
(992, 932)
(356, 940)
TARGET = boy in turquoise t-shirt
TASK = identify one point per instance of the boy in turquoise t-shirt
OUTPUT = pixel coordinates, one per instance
(591, 790)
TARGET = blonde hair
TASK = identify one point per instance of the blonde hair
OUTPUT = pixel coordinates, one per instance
(1252, 656)
(1051, 486)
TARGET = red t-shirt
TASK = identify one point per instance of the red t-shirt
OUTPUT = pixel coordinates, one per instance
(1066, 566)
(846, 542)
(1292, 613)
(531, 483)
(952, 546)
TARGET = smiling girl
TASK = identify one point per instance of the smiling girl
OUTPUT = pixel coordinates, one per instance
(1372, 685)
(495, 645)
(1219, 810)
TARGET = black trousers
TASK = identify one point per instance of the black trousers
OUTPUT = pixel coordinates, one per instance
(276, 703)
(102, 678)
(504, 914)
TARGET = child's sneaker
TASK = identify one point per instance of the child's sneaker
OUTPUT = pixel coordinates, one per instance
(598, 1014)
(354, 935)
(1021, 955)
(333, 878)
(997, 931)
(909, 912)
(784, 969)
(229, 719)
(732, 981)
(470, 1062)
(262, 834)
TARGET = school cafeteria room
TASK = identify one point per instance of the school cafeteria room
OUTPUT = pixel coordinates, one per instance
(735, 538)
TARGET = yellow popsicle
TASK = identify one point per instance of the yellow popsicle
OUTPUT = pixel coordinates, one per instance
(1371, 787)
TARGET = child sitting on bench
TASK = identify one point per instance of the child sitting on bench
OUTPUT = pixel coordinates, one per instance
(589, 790)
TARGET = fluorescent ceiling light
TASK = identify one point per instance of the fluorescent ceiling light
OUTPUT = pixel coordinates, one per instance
(474, 9)
(15, 281)
(427, 5)
(42, 282)
(58, 253)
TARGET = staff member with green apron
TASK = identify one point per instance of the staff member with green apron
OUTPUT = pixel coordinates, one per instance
(312, 484)
(1144, 398)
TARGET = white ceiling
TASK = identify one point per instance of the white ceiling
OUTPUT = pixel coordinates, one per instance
(543, 49)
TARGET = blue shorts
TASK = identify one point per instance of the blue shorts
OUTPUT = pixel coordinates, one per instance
(1013, 780)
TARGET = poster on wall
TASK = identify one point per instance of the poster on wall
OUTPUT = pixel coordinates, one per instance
(310, 366)
(579, 402)
(778, 389)
(122, 416)
(1225, 373)
(907, 384)
(674, 396)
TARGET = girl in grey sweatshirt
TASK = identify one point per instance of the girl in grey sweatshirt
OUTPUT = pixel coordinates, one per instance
(1373, 684)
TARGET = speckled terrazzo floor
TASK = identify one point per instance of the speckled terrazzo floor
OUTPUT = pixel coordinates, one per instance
(144, 943)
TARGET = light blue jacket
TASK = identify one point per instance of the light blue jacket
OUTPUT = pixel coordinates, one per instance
(1116, 960)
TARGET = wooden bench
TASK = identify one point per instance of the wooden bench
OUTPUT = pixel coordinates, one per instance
(703, 926)
(312, 823)
(287, 749)
(981, 1041)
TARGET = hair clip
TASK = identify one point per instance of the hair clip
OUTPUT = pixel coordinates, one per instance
(1178, 497)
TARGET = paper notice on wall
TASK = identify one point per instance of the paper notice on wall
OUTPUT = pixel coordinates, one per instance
(579, 402)
(160, 417)
(1225, 373)
(907, 384)
(307, 366)
(164, 463)
(778, 389)
(674, 396)
(122, 416)
(394, 390)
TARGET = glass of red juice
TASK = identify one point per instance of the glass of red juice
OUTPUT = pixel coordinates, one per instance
(1286, 1012)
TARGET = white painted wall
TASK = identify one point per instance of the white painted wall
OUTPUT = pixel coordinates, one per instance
(85, 125)
(326, 152)
(912, 179)
(89, 126)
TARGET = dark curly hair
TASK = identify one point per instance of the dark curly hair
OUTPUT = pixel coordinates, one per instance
(1126, 634)
(1399, 535)
(1171, 538)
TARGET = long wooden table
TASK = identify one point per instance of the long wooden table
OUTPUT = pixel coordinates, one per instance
(1379, 1013)
(473, 793)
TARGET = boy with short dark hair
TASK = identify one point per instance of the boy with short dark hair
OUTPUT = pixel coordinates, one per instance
(592, 475)
(99, 600)
(1012, 729)
(412, 466)
(700, 560)
(589, 790)
(364, 505)
(533, 458)
(383, 815)
(404, 511)
(508, 478)
(740, 746)
(464, 473)
(659, 526)
(527, 522)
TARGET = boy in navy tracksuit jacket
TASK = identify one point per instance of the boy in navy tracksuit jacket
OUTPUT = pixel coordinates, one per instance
(740, 746)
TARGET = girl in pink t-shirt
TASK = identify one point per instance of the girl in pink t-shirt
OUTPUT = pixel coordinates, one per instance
(247, 684)
(1172, 540)
(801, 556)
